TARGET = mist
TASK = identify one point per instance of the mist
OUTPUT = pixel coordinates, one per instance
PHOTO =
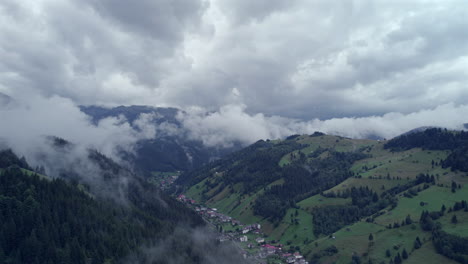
(233, 123)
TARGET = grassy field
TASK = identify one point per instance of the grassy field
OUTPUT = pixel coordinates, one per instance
(353, 239)
(433, 199)
(460, 228)
(381, 171)
(427, 255)
(319, 200)
(406, 164)
(373, 184)
(290, 232)
(326, 141)
(195, 192)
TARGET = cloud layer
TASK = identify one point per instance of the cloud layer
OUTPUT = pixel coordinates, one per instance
(253, 70)
(233, 124)
(297, 59)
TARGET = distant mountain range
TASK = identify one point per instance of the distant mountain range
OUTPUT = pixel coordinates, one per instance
(166, 152)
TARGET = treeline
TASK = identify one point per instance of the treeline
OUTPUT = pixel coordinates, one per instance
(257, 161)
(449, 245)
(436, 139)
(364, 202)
(53, 221)
(304, 178)
(431, 139)
(8, 158)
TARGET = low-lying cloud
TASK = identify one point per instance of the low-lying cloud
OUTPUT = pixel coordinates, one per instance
(26, 124)
(232, 124)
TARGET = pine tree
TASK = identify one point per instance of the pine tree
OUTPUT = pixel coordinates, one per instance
(371, 237)
(417, 243)
(404, 254)
(408, 220)
(397, 259)
(454, 219)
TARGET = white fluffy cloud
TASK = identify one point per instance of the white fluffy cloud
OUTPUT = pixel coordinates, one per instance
(26, 125)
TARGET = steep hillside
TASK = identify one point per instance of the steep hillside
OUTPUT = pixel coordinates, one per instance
(325, 195)
(51, 220)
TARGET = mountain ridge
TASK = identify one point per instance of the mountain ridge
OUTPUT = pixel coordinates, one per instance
(376, 195)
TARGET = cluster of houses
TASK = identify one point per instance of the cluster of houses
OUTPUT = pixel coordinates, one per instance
(242, 234)
(292, 258)
(166, 182)
(213, 214)
(295, 258)
(185, 199)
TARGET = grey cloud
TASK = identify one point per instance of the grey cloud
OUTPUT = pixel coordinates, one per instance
(300, 59)
(162, 19)
(244, 11)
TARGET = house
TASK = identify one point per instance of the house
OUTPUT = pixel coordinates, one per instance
(245, 230)
(270, 249)
(297, 255)
(211, 214)
(291, 259)
(260, 240)
(243, 239)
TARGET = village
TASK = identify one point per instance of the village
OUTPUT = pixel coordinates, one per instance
(249, 238)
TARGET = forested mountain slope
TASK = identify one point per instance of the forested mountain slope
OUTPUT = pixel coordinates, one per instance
(341, 199)
(51, 220)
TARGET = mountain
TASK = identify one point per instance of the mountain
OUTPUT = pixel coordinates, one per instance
(167, 152)
(341, 200)
(109, 216)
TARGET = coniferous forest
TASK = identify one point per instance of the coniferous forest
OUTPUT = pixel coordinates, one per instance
(48, 220)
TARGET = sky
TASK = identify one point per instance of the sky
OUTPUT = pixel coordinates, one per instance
(261, 69)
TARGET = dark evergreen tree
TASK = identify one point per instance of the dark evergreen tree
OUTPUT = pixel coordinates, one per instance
(454, 219)
(404, 254)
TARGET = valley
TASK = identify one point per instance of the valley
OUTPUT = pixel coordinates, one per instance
(369, 189)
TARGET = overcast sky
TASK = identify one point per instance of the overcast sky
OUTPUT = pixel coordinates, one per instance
(295, 58)
(251, 61)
